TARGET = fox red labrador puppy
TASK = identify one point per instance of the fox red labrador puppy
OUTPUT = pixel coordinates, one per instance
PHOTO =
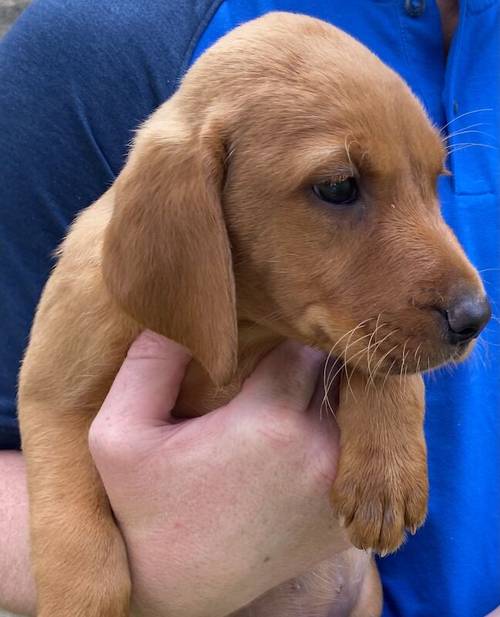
(287, 190)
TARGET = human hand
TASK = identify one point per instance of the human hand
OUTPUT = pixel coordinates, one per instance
(217, 510)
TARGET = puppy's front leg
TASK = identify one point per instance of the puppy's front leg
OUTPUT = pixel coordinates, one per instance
(381, 486)
(78, 554)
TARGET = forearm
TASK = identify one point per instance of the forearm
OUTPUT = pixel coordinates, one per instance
(17, 590)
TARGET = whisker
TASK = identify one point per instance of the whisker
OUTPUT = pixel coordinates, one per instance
(368, 348)
(345, 366)
(346, 370)
(466, 132)
(348, 361)
(471, 143)
(350, 345)
(462, 146)
(489, 270)
(387, 353)
(429, 371)
(403, 362)
(467, 113)
(326, 378)
(405, 381)
(418, 361)
(342, 366)
(361, 323)
(387, 374)
(465, 128)
(372, 373)
(490, 342)
(482, 353)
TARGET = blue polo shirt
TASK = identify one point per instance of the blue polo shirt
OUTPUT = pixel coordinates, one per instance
(77, 76)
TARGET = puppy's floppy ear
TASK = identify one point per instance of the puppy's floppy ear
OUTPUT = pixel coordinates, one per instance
(166, 254)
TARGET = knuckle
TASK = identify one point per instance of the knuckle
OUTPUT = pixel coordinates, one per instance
(107, 443)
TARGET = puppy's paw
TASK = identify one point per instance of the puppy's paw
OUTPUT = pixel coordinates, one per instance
(378, 497)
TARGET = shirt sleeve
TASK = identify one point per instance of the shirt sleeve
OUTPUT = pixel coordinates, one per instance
(77, 77)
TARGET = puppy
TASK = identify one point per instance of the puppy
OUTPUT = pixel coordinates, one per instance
(287, 190)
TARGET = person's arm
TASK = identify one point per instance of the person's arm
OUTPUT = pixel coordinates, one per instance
(17, 589)
(230, 504)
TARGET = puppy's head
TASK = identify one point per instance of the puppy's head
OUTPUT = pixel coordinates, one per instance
(291, 181)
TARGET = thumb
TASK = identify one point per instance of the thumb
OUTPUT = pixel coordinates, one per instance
(147, 385)
(285, 378)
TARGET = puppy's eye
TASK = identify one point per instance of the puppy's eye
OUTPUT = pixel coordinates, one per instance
(342, 191)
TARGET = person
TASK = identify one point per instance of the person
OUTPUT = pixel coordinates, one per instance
(77, 78)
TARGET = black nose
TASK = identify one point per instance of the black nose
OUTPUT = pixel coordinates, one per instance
(466, 317)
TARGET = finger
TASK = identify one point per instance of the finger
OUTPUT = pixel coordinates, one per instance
(286, 377)
(148, 382)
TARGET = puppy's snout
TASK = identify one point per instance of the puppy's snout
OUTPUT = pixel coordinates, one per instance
(466, 317)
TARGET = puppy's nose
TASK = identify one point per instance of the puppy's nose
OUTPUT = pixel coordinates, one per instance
(466, 317)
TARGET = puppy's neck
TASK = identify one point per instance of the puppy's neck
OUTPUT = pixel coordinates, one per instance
(199, 395)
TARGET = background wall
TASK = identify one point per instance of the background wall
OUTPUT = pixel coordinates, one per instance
(9, 11)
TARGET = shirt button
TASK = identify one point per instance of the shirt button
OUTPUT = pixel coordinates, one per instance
(415, 8)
